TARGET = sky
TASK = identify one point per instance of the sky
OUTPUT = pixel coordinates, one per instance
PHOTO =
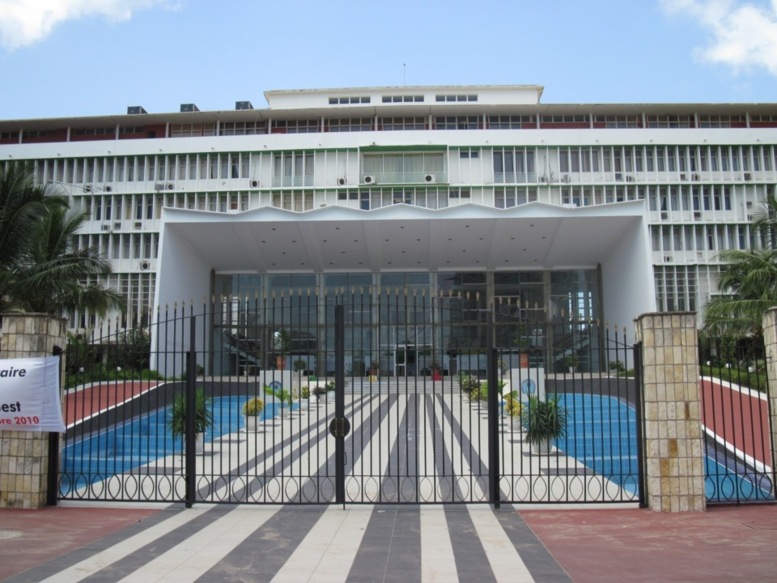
(62, 58)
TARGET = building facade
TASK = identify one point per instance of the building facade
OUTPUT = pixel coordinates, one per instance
(590, 211)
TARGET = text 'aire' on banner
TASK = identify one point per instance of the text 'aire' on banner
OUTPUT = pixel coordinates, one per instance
(29, 395)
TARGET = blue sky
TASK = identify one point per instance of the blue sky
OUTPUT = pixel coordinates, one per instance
(95, 57)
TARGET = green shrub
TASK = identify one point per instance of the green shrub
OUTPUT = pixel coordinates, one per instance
(253, 407)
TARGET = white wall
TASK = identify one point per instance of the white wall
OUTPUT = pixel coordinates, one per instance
(183, 281)
(628, 288)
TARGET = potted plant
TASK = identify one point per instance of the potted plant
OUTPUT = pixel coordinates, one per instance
(281, 343)
(373, 371)
(252, 410)
(572, 361)
(521, 343)
(282, 395)
(514, 408)
(329, 393)
(543, 421)
(203, 417)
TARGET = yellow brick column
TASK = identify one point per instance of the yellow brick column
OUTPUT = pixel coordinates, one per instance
(770, 344)
(672, 412)
(24, 455)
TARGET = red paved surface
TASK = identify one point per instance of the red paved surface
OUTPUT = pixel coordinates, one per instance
(739, 417)
(723, 544)
(83, 403)
(52, 532)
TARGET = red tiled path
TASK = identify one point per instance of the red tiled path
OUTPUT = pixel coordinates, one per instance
(723, 544)
(100, 396)
(48, 533)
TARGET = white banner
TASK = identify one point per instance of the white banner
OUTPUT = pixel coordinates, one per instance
(29, 395)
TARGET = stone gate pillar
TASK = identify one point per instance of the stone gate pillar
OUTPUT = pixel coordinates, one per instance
(770, 344)
(24, 455)
(672, 411)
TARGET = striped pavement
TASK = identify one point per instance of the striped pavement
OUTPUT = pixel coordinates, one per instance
(445, 543)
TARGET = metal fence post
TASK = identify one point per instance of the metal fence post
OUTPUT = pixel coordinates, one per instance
(492, 377)
(339, 403)
(53, 466)
(190, 436)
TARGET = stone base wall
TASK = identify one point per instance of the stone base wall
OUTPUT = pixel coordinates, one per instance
(674, 457)
(24, 455)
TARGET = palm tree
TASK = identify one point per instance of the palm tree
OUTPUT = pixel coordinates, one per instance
(41, 270)
(22, 204)
(750, 282)
(764, 225)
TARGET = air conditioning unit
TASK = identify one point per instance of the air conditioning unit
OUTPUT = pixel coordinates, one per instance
(144, 265)
(566, 178)
(629, 179)
(543, 179)
(87, 188)
(106, 227)
(667, 258)
(695, 177)
(117, 226)
(696, 215)
(370, 179)
(618, 176)
(683, 177)
(138, 225)
(747, 176)
(664, 215)
(430, 178)
(170, 186)
(254, 184)
(108, 188)
(159, 186)
(342, 181)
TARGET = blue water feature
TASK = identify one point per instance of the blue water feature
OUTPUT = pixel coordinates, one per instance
(143, 439)
(602, 435)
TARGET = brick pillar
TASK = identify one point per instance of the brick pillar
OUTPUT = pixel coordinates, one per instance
(770, 344)
(24, 455)
(672, 412)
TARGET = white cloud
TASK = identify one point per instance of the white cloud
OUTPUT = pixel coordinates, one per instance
(744, 34)
(25, 22)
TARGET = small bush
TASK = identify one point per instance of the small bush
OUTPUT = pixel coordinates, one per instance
(253, 407)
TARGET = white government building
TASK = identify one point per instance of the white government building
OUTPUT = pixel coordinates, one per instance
(481, 188)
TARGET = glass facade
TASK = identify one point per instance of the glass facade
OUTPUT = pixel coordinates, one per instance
(403, 324)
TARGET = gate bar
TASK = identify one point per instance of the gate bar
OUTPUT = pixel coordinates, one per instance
(190, 437)
(492, 378)
(340, 403)
(638, 405)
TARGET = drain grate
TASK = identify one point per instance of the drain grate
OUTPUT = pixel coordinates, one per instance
(6, 534)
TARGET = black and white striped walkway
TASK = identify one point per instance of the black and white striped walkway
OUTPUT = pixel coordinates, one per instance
(445, 543)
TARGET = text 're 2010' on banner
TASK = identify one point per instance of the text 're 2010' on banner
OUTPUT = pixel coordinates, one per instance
(29, 395)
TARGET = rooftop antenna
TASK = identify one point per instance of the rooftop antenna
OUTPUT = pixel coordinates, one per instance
(404, 80)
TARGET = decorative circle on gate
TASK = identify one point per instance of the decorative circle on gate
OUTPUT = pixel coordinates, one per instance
(528, 387)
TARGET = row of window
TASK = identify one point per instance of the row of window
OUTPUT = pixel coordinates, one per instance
(389, 123)
(509, 165)
(113, 209)
(698, 238)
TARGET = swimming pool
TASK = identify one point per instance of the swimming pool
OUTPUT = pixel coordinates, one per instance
(143, 439)
(602, 435)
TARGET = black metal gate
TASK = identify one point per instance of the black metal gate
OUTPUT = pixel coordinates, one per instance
(370, 396)
(739, 461)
